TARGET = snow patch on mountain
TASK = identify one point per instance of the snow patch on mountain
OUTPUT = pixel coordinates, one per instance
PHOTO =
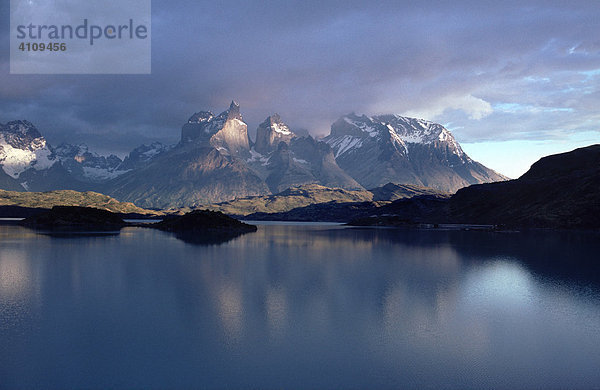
(150, 153)
(202, 116)
(417, 131)
(363, 125)
(101, 174)
(142, 155)
(345, 143)
(89, 166)
(281, 128)
(22, 148)
(411, 130)
(270, 133)
(257, 157)
(402, 132)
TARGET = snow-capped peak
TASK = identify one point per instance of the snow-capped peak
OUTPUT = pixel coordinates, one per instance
(22, 147)
(272, 132)
(353, 131)
(234, 111)
(416, 131)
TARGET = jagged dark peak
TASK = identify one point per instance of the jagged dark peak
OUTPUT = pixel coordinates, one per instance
(68, 150)
(16, 125)
(149, 151)
(204, 124)
(274, 119)
(21, 127)
(65, 150)
(203, 117)
(231, 135)
(200, 117)
(266, 123)
(271, 133)
(234, 111)
(277, 125)
(22, 134)
(81, 154)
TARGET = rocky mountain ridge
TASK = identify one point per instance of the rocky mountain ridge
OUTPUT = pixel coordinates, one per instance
(216, 161)
(34, 165)
(391, 148)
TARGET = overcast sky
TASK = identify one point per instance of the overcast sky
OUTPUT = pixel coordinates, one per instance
(512, 80)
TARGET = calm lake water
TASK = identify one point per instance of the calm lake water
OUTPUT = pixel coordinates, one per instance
(300, 306)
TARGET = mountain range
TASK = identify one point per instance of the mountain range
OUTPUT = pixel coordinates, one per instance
(216, 161)
(391, 148)
(559, 191)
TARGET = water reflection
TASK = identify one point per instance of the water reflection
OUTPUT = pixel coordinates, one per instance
(230, 307)
(77, 234)
(304, 307)
(276, 308)
(15, 275)
(208, 238)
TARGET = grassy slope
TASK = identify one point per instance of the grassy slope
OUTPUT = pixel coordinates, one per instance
(46, 200)
(290, 199)
(311, 194)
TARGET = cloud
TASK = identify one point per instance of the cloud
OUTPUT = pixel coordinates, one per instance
(474, 107)
(462, 62)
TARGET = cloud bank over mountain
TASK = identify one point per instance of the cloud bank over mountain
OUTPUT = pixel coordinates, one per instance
(488, 71)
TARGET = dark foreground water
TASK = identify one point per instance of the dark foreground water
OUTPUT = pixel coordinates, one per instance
(300, 307)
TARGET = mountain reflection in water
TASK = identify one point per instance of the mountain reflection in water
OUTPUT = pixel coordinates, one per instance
(300, 306)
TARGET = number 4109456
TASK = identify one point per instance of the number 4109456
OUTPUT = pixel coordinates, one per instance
(42, 46)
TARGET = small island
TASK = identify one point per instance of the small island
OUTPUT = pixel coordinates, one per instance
(204, 227)
(198, 226)
(75, 218)
(202, 220)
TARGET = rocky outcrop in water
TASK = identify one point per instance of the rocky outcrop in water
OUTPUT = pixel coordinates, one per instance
(204, 227)
(75, 218)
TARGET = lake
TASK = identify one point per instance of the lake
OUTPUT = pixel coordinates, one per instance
(300, 306)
